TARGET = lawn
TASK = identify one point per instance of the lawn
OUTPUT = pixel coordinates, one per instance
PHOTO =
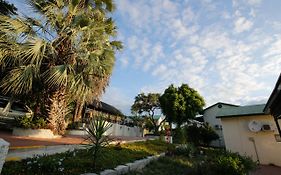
(80, 161)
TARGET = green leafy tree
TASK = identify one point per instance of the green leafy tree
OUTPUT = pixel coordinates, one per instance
(146, 106)
(181, 104)
(7, 8)
(66, 54)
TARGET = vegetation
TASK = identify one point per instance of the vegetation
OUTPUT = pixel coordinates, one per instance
(64, 53)
(7, 8)
(181, 104)
(81, 161)
(146, 106)
(187, 160)
(200, 135)
(97, 138)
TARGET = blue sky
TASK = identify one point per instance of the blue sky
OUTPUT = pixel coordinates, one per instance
(228, 50)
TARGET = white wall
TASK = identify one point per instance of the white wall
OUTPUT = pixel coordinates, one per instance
(237, 139)
(210, 117)
(122, 130)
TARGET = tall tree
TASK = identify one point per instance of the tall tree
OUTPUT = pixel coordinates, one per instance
(181, 104)
(7, 8)
(146, 106)
(67, 53)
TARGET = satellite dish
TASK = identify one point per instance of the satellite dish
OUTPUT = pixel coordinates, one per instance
(254, 126)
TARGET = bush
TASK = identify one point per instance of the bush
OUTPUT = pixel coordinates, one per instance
(224, 162)
(185, 150)
(31, 122)
(179, 136)
(200, 135)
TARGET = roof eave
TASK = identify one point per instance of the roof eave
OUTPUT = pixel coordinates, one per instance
(240, 115)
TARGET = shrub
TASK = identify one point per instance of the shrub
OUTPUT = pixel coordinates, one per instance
(179, 136)
(31, 122)
(97, 138)
(224, 162)
(200, 135)
(185, 150)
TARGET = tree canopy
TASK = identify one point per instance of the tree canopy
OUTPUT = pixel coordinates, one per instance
(180, 104)
(146, 106)
(7, 8)
(65, 52)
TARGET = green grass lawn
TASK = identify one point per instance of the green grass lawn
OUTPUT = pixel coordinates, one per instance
(80, 161)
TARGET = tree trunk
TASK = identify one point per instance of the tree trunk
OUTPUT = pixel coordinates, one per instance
(57, 111)
(78, 111)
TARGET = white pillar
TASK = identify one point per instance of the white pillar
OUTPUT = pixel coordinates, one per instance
(4, 147)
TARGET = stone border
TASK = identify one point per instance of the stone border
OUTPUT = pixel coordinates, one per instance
(36, 133)
(123, 169)
(4, 147)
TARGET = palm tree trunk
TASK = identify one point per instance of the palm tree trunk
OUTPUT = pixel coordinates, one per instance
(78, 111)
(57, 112)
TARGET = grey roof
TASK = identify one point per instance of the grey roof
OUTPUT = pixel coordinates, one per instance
(228, 104)
(241, 111)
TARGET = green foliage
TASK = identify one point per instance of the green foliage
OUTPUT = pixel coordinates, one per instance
(81, 161)
(146, 105)
(200, 135)
(179, 136)
(180, 104)
(221, 162)
(6, 8)
(66, 52)
(97, 138)
(30, 122)
(187, 150)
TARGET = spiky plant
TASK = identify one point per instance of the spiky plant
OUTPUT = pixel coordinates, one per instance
(96, 136)
(63, 53)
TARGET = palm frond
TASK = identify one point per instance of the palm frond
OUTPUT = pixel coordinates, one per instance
(19, 80)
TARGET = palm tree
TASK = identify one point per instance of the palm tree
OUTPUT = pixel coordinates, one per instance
(64, 54)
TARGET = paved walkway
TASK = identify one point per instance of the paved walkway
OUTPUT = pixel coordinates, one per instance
(23, 142)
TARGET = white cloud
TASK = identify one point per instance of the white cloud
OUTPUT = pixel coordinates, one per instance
(242, 24)
(117, 98)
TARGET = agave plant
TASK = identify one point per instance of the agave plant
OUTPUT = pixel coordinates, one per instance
(65, 53)
(96, 136)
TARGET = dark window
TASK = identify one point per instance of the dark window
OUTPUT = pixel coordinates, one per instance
(3, 103)
(19, 107)
(219, 106)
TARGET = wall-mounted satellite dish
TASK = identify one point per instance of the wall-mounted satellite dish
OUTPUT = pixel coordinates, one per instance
(254, 126)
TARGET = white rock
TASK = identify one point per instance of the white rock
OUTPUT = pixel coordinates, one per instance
(4, 147)
(108, 172)
(122, 169)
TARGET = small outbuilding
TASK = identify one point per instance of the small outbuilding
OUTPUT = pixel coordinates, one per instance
(250, 131)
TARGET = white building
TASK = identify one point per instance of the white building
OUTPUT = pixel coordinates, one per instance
(209, 116)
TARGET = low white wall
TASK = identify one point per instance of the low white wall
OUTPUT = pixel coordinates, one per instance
(37, 133)
(123, 130)
(114, 130)
(4, 147)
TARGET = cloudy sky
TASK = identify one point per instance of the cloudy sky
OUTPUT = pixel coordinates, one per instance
(230, 51)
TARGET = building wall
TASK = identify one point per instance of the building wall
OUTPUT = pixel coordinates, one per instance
(210, 117)
(238, 138)
(123, 130)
